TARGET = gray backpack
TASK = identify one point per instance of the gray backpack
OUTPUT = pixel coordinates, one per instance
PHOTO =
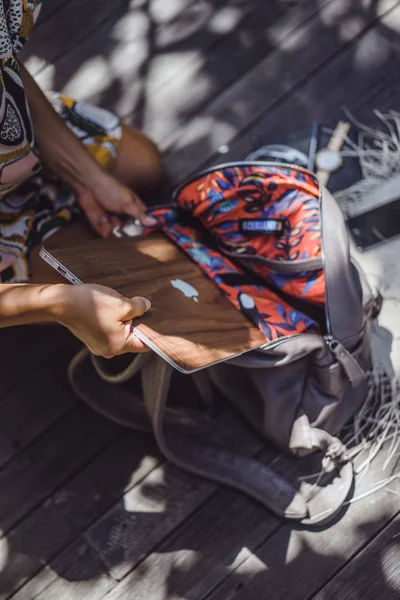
(299, 390)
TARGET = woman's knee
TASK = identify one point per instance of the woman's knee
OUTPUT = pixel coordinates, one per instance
(139, 164)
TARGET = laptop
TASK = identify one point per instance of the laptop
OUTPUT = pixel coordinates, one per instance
(191, 324)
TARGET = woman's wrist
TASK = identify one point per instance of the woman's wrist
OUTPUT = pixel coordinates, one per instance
(22, 304)
(55, 302)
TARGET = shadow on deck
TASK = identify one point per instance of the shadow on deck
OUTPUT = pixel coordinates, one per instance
(88, 509)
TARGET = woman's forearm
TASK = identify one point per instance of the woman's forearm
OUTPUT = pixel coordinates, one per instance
(60, 150)
(21, 304)
(98, 316)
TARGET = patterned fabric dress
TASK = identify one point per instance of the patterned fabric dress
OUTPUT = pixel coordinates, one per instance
(33, 205)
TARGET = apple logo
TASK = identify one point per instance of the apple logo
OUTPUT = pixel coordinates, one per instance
(188, 290)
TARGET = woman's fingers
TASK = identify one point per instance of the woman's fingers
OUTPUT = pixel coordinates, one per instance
(102, 318)
(112, 198)
(137, 307)
(133, 344)
(96, 215)
(134, 207)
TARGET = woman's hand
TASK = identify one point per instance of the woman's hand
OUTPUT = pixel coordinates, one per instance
(101, 195)
(105, 199)
(100, 317)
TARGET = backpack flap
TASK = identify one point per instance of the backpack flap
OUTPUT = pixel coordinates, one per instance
(273, 275)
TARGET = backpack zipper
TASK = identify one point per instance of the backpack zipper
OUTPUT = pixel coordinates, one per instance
(242, 163)
(354, 372)
(350, 365)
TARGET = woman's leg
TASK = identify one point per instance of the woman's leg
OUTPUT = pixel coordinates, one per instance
(138, 166)
(139, 163)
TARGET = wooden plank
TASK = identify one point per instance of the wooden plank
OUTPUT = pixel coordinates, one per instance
(146, 515)
(373, 573)
(31, 345)
(265, 87)
(203, 551)
(37, 402)
(256, 35)
(152, 510)
(347, 81)
(49, 9)
(200, 51)
(112, 61)
(77, 574)
(295, 563)
(209, 545)
(47, 530)
(75, 21)
(50, 460)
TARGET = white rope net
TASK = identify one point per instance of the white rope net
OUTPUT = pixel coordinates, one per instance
(378, 152)
(376, 427)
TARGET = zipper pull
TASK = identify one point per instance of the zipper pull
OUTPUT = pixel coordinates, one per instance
(350, 365)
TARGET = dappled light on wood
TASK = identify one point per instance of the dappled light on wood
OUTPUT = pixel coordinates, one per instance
(89, 510)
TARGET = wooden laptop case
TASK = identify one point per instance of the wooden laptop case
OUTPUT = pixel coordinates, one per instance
(189, 334)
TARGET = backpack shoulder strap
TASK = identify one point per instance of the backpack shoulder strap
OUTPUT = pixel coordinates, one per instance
(176, 439)
(237, 471)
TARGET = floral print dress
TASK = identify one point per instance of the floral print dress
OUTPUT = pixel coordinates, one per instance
(34, 204)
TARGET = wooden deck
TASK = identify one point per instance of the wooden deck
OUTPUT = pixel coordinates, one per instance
(89, 510)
